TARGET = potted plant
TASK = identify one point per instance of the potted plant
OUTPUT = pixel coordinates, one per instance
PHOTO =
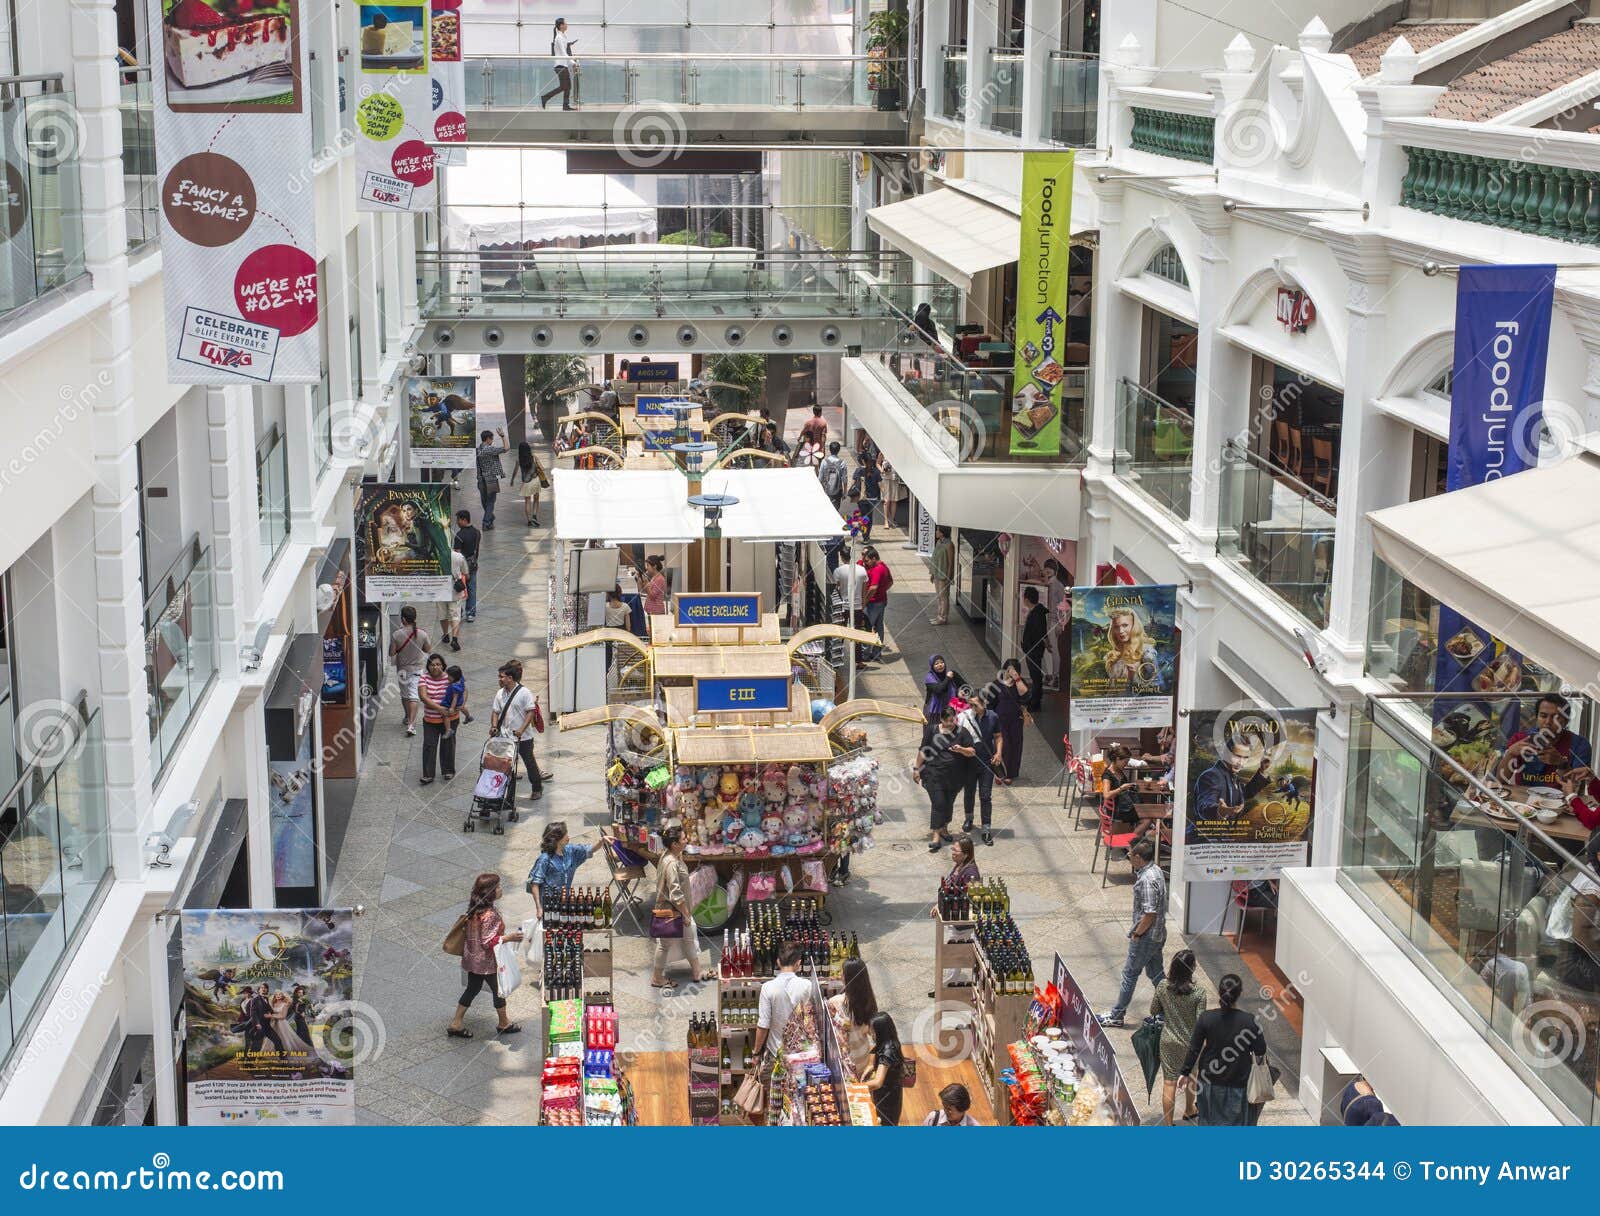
(886, 50)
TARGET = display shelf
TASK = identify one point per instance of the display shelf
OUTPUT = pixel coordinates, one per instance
(1000, 1018)
(954, 958)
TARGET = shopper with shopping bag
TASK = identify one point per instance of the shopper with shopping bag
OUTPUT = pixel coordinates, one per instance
(672, 921)
(487, 956)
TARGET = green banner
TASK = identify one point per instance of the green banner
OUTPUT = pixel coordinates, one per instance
(1041, 303)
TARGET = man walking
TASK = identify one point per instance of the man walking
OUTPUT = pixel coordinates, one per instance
(490, 471)
(814, 430)
(450, 610)
(409, 648)
(943, 565)
(512, 716)
(467, 542)
(980, 730)
(941, 767)
(833, 473)
(1035, 633)
(876, 604)
(1149, 933)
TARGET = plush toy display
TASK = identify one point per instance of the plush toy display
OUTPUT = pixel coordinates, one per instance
(752, 806)
(728, 792)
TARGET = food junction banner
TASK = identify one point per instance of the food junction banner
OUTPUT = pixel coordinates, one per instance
(394, 116)
(403, 542)
(1124, 663)
(1496, 415)
(1252, 791)
(233, 158)
(441, 416)
(266, 1007)
(1041, 330)
(449, 76)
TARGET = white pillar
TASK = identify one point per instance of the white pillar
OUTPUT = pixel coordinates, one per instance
(1222, 376)
(235, 527)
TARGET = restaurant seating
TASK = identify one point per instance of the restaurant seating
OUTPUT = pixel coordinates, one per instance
(1318, 474)
(1109, 838)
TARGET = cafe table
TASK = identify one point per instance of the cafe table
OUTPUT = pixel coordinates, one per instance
(1564, 828)
(1153, 803)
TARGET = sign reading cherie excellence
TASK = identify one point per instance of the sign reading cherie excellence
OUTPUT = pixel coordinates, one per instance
(233, 156)
(719, 608)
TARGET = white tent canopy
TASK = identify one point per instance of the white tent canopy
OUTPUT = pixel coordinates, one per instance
(1519, 556)
(652, 505)
(487, 196)
(957, 235)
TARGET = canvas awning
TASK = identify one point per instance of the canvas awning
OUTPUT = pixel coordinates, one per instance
(956, 234)
(1519, 556)
(486, 195)
(652, 505)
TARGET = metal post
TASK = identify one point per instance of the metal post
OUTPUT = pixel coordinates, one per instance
(799, 87)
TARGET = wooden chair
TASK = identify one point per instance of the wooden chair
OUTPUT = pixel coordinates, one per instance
(1321, 476)
(1280, 444)
(1296, 460)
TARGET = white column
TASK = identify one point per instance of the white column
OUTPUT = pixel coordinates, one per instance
(365, 277)
(235, 532)
(298, 409)
(1039, 39)
(1222, 377)
(983, 23)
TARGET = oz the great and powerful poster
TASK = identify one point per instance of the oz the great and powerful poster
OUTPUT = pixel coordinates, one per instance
(442, 414)
(1251, 792)
(234, 162)
(403, 542)
(1124, 663)
(265, 998)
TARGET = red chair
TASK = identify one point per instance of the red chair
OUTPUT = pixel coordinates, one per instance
(1066, 768)
(1109, 839)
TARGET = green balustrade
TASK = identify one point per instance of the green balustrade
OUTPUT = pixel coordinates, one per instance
(1183, 136)
(1542, 200)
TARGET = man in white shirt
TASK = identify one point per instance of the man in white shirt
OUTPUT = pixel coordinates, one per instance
(561, 51)
(778, 999)
(850, 580)
(512, 715)
(450, 610)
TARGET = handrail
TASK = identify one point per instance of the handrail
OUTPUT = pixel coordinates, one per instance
(1006, 50)
(1246, 456)
(1075, 54)
(33, 770)
(692, 58)
(193, 553)
(55, 80)
(1160, 401)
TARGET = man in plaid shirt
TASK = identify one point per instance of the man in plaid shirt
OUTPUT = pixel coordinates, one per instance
(1148, 936)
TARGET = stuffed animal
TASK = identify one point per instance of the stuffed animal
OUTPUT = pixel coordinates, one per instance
(794, 823)
(752, 806)
(708, 783)
(732, 827)
(728, 792)
(795, 780)
(772, 827)
(814, 816)
(816, 783)
(752, 841)
(774, 787)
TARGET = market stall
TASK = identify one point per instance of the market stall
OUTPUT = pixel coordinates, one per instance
(582, 1083)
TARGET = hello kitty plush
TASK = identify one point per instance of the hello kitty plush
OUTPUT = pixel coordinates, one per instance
(772, 827)
(794, 823)
(816, 783)
(774, 787)
(795, 783)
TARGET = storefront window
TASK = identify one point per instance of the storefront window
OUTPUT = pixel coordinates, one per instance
(1297, 426)
(1278, 530)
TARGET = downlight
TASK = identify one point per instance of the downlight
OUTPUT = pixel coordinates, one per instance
(542, 336)
(589, 335)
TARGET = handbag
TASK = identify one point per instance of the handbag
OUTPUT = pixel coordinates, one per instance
(455, 941)
(665, 922)
(537, 717)
(908, 1074)
(752, 1095)
(1259, 1088)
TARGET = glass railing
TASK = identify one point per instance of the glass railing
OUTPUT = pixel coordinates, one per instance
(790, 82)
(272, 495)
(953, 97)
(55, 860)
(43, 242)
(1155, 447)
(1002, 108)
(322, 422)
(9, 763)
(1074, 98)
(1490, 903)
(180, 648)
(139, 186)
(1278, 530)
(347, 98)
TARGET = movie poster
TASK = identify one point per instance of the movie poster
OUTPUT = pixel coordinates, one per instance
(403, 542)
(291, 810)
(394, 116)
(449, 80)
(1124, 662)
(442, 415)
(265, 995)
(1252, 786)
(234, 162)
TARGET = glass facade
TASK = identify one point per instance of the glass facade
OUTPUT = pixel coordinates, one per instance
(40, 159)
(1277, 530)
(139, 184)
(180, 648)
(272, 494)
(1155, 447)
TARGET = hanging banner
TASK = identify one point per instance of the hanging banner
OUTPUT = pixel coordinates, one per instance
(924, 532)
(449, 77)
(1041, 329)
(1093, 1046)
(1124, 657)
(1496, 415)
(394, 116)
(442, 417)
(1252, 790)
(403, 542)
(266, 1002)
(232, 130)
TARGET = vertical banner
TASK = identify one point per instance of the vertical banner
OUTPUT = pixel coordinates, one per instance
(403, 542)
(1496, 415)
(233, 156)
(924, 532)
(1041, 328)
(449, 76)
(442, 417)
(1124, 663)
(1093, 1047)
(394, 116)
(1252, 791)
(266, 998)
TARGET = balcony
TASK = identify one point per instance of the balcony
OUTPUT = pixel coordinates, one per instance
(39, 151)
(272, 494)
(1169, 133)
(180, 648)
(1074, 98)
(1550, 200)
(1278, 530)
(1002, 109)
(1155, 448)
(55, 861)
(1480, 896)
(953, 94)
(141, 192)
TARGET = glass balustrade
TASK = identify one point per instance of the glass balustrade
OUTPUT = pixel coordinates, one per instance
(39, 150)
(502, 82)
(55, 862)
(272, 495)
(180, 648)
(1074, 98)
(322, 422)
(1155, 447)
(1489, 901)
(139, 186)
(1002, 108)
(954, 94)
(1278, 530)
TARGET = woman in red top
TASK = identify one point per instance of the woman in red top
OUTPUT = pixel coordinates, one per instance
(655, 587)
(485, 931)
(438, 740)
(1582, 789)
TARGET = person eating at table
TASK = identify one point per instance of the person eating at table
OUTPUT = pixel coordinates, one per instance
(1549, 752)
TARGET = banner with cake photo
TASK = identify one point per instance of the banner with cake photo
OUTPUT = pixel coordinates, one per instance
(449, 80)
(403, 542)
(395, 160)
(442, 414)
(233, 143)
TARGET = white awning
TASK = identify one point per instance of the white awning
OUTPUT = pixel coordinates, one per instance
(956, 234)
(486, 196)
(1519, 556)
(645, 505)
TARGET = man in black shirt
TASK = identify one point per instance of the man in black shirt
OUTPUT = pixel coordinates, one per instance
(941, 769)
(1035, 633)
(467, 542)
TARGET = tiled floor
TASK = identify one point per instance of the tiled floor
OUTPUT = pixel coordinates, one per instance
(406, 859)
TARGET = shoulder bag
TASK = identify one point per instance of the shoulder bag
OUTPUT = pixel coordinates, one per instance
(665, 920)
(1258, 1089)
(455, 941)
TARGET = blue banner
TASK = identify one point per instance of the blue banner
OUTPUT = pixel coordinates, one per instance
(653, 406)
(651, 373)
(1496, 415)
(736, 694)
(718, 608)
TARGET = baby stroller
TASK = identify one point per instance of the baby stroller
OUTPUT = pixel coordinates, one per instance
(494, 797)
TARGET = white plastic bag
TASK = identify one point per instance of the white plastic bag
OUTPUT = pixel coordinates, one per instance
(507, 970)
(532, 936)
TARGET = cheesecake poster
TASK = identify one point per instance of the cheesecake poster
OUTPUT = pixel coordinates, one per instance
(233, 157)
(403, 542)
(395, 115)
(449, 79)
(442, 416)
(1124, 662)
(1042, 303)
(1252, 791)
